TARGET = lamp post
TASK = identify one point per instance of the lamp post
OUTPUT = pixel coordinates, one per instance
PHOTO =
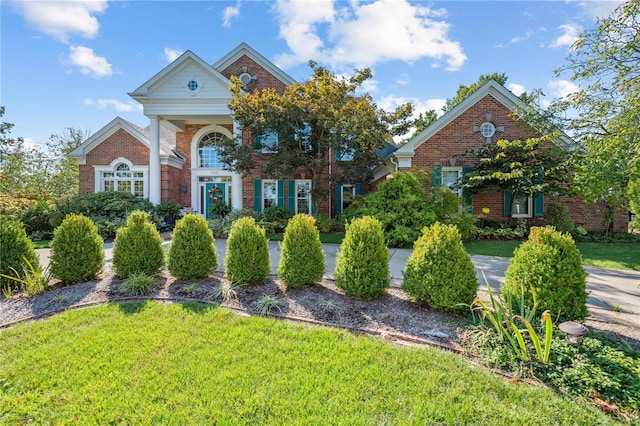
(575, 332)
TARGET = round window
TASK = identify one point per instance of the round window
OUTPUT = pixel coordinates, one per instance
(192, 85)
(487, 129)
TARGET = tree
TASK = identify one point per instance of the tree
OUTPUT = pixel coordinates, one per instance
(463, 91)
(525, 168)
(65, 178)
(311, 120)
(605, 61)
(422, 122)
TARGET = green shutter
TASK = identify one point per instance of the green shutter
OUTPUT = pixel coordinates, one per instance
(436, 176)
(358, 189)
(257, 143)
(257, 195)
(291, 202)
(281, 193)
(466, 194)
(506, 204)
(338, 199)
(538, 205)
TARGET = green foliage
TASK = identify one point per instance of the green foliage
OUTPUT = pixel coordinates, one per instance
(219, 209)
(138, 247)
(466, 224)
(464, 91)
(401, 206)
(557, 215)
(77, 252)
(225, 292)
(327, 225)
(169, 212)
(222, 226)
(192, 253)
(33, 279)
(36, 220)
(137, 284)
(362, 263)
(276, 218)
(439, 272)
(267, 304)
(16, 253)
(549, 263)
(247, 258)
(108, 210)
(302, 259)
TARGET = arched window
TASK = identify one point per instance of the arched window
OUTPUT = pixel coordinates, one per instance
(208, 151)
(123, 179)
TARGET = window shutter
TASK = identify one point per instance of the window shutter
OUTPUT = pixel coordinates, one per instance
(257, 195)
(538, 205)
(291, 202)
(281, 193)
(358, 189)
(466, 194)
(506, 204)
(436, 176)
(338, 199)
(257, 143)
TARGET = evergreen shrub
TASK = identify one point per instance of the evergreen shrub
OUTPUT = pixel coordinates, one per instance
(15, 247)
(302, 259)
(557, 215)
(77, 252)
(36, 220)
(549, 263)
(137, 248)
(247, 258)
(362, 263)
(439, 272)
(192, 253)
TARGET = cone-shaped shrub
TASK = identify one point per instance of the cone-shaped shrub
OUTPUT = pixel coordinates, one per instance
(15, 247)
(137, 248)
(192, 253)
(362, 264)
(77, 252)
(439, 272)
(551, 264)
(302, 259)
(247, 258)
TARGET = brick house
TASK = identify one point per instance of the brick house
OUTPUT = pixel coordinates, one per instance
(175, 159)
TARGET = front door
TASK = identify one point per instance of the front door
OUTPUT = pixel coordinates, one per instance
(214, 193)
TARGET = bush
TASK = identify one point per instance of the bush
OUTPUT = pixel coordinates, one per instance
(77, 252)
(557, 215)
(169, 212)
(326, 225)
(362, 263)
(222, 226)
(138, 247)
(16, 252)
(36, 220)
(302, 259)
(137, 284)
(403, 205)
(550, 264)
(439, 272)
(278, 217)
(465, 223)
(192, 253)
(247, 259)
(219, 209)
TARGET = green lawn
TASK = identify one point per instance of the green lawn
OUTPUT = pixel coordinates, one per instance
(602, 255)
(151, 363)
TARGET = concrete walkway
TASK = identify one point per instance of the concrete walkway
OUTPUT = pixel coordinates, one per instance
(607, 288)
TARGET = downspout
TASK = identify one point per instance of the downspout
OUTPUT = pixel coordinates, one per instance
(395, 165)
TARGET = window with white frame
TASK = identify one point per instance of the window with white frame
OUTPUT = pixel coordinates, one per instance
(451, 178)
(208, 150)
(348, 195)
(269, 194)
(522, 206)
(304, 138)
(303, 196)
(123, 179)
(268, 141)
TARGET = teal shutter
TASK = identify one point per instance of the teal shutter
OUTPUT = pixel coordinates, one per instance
(436, 176)
(257, 143)
(257, 195)
(506, 204)
(338, 199)
(466, 194)
(281, 193)
(358, 189)
(538, 205)
(337, 154)
(291, 202)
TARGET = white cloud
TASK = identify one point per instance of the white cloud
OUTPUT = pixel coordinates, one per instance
(403, 79)
(61, 19)
(516, 89)
(599, 9)
(364, 34)
(389, 103)
(562, 88)
(527, 35)
(570, 33)
(172, 54)
(229, 13)
(116, 104)
(89, 63)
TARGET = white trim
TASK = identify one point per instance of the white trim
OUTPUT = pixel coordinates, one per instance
(262, 198)
(529, 207)
(452, 169)
(195, 163)
(244, 49)
(111, 168)
(308, 195)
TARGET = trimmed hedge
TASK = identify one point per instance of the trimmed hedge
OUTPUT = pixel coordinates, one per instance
(192, 253)
(362, 264)
(247, 258)
(302, 259)
(15, 247)
(137, 248)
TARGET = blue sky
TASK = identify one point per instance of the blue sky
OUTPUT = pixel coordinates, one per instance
(72, 63)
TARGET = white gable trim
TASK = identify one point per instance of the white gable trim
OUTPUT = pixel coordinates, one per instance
(188, 57)
(245, 49)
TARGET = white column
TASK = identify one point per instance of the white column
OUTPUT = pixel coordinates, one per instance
(236, 178)
(155, 182)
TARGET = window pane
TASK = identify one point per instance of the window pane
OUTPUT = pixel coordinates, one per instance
(209, 158)
(303, 197)
(122, 168)
(124, 186)
(138, 188)
(139, 175)
(108, 185)
(521, 206)
(450, 178)
(269, 140)
(269, 194)
(347, 196)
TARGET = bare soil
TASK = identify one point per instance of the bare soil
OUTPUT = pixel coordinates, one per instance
(393, 316)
